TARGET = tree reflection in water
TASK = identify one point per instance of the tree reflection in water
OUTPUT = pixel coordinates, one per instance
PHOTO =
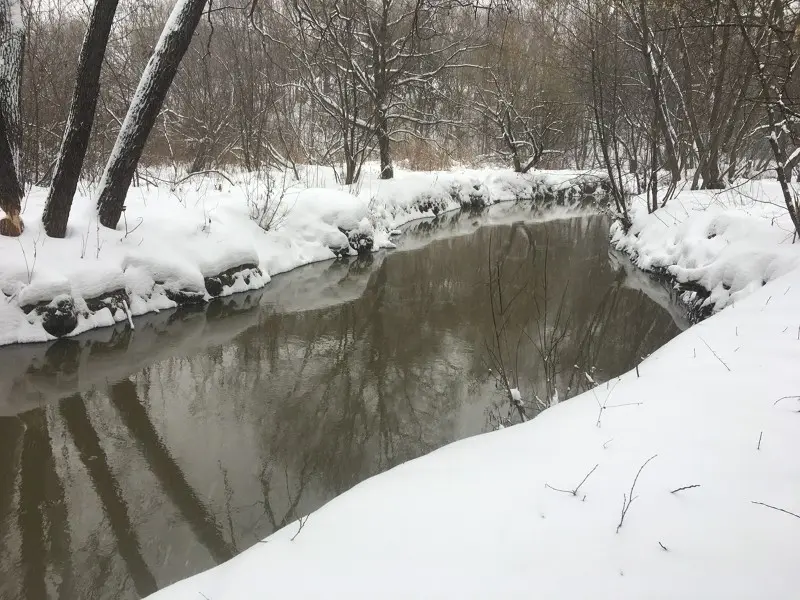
(218, 427)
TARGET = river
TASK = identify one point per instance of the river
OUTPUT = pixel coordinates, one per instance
(131, 459)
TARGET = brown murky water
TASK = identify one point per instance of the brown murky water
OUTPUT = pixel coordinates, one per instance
(131, 459)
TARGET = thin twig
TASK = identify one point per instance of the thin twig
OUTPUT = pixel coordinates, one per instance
(302, 522)
(786, 398)
(714, 353)
(788, 512)
(624, 404)
(663, 547)
(628, 500)
(759, 440)
(205, 172)
(575, 491)
(686, 487)
(603, 406)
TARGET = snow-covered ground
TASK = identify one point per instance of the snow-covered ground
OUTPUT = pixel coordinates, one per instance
(679, 479)
(174, 236)
(728, 242)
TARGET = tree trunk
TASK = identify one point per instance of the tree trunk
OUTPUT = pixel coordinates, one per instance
(712, 177)
(12, 44)
(81, 117)
(653, 72)
(350, 166)
(387, 170)
(775, 126)
(145, 106)
(508, 137)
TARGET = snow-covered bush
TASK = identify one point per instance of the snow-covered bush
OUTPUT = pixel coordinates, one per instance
(264, 196)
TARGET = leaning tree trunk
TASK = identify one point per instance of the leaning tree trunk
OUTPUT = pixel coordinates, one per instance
(144, 108)
(12, 43)
(81, 118)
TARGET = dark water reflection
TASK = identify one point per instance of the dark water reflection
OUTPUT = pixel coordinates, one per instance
(129, 460)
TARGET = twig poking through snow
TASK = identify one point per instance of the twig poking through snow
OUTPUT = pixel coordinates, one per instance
(603, 406)
(575, 491)
(663, 547)
(686, 487)
(788, 512)
(714, 353)
(786, 398)
(759, 440)
(628, 500)
(624, 404)
(302, 522)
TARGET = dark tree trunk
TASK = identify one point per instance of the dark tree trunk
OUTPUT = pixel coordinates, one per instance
(350, 168)
(144, 109)
(508, 138)
(81, 118)
(10, 187)
(387, 170)
(712, 178)
(12, 44)
(657, 95)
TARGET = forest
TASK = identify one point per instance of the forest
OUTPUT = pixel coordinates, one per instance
(660, 95)
(399, 298)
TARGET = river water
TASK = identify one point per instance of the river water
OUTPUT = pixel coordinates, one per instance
(131, 459)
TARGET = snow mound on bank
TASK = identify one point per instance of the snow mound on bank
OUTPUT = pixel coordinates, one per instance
(728, 242)
(713, 412)
(336, 211)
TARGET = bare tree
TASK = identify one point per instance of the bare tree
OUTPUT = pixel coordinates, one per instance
(81, 118)
(385, 55)
(769, 30)
(145, 106)
(518, 91)
(12, 45)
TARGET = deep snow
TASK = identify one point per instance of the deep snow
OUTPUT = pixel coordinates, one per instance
(172, 236)
(730, 242)
(715, 411)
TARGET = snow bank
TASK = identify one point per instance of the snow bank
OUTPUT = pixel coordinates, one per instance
(719, 245)
(214, 236)
(26, 380)
(412, 195)
(714, 412)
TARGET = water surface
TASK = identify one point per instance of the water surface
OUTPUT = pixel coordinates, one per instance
(131, 459)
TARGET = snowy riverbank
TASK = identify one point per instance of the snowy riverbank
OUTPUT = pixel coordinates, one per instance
(211, 236)
(676, 480)
(718, 245)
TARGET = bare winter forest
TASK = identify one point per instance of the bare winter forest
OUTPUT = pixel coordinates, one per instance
(653, 92)
(270, 268)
